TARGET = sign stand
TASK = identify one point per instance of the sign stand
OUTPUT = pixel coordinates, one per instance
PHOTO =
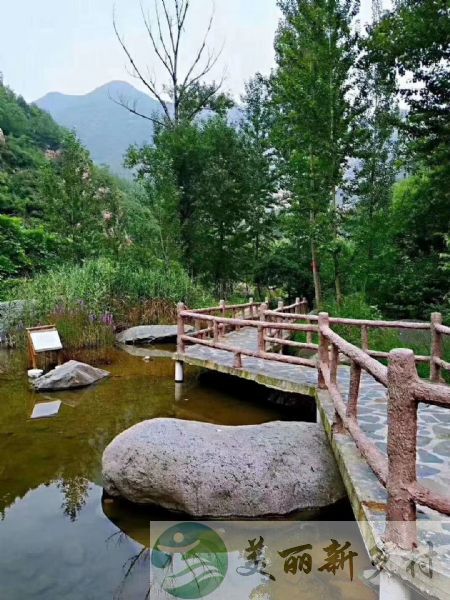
(43, 339)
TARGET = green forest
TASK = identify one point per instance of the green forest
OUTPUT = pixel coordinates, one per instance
(333, 183)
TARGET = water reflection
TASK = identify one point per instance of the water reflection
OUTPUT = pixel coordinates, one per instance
(55, 539)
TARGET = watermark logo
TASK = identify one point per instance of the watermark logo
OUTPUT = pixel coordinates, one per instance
(191, 560)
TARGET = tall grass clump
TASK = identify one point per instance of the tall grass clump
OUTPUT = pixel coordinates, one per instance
(131, 293)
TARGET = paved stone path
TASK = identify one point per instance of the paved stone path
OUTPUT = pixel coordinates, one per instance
(433, 455)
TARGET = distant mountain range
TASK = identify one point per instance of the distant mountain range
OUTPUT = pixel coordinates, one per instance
(105, 128)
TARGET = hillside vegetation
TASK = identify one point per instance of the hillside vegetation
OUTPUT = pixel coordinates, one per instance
(219, 210)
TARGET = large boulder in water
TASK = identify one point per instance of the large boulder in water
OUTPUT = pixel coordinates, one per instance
(210, 470)
(72, 374)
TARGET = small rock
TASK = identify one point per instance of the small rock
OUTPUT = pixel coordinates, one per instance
(72, 374)
(35, 373)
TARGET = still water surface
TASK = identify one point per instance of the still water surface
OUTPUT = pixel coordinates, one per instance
(59, 539)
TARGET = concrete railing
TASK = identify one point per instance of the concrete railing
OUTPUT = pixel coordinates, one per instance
(405, 390)
(273, 332)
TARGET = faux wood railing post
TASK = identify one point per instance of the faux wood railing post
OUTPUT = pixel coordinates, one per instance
(297, 308)
(261, 329)
(401, 448)
(353, 390)
(223, 310)
(324, 359)
(180, 328)
(251, 308)
(216, 331)
(334, 364)
(304, 309)
(279, 332)
(179, 365)
(237, 364)
(436, 347)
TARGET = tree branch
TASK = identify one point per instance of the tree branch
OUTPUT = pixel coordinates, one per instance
(166, 61)
(121, 101)
(149, 86)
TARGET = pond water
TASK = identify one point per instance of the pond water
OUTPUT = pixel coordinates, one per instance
(59, 538)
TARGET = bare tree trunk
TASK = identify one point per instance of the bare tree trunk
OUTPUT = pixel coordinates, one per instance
(337, 274)
(315, 267)
(312, 223)
(337, 279)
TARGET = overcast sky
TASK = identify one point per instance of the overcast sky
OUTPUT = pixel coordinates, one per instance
(69, 45)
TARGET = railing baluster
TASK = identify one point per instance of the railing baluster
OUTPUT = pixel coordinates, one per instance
(279, 332)
(237, 364)
(261, 329)
(436, 347)
(401, 448)
(223, 309)
(216, 331)
(180, 328)
(334, 364)
(353, 390)
(324, 358)
(304, 311)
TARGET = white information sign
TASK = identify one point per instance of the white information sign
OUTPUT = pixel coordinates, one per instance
(45, 341)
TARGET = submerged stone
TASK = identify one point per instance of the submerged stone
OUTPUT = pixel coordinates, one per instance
(209, 470)
(72, 374)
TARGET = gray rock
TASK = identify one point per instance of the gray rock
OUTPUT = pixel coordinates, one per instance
(210, 470)
(148, 334)
(72, 374)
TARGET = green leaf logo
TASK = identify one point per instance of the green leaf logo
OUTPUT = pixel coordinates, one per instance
(192, 558)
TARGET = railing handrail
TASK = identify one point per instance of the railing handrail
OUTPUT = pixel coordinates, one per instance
(375, 324)
(251, 323)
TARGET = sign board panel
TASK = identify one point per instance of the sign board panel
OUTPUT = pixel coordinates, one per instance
(45, 341)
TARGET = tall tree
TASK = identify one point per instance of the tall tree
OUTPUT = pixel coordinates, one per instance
(262, 174)
(375, 171)
(411, 45)
(80, 204)
(315, 52)
(182, 94)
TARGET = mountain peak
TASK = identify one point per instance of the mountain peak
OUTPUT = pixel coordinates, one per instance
(105, 128)
(115, 88)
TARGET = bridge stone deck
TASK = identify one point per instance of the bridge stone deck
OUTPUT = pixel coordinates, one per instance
(367, 495)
